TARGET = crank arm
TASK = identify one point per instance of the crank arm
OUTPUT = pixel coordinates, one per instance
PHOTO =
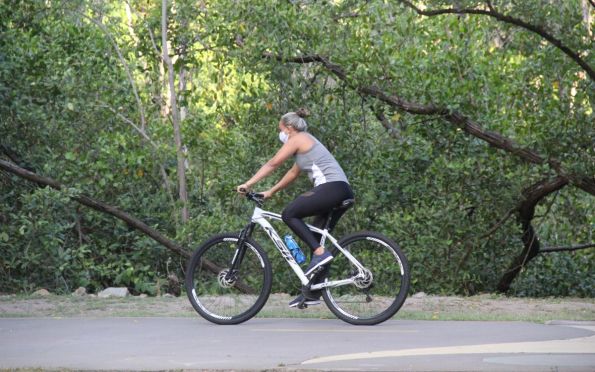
(334, 283)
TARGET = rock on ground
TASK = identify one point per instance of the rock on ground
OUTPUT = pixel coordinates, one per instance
(114, 292)
(80, 291)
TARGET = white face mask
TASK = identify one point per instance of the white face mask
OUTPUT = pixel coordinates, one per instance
(283, 137)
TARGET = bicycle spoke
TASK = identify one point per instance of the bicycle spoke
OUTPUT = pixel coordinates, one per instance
(376, 295)
(221, 295)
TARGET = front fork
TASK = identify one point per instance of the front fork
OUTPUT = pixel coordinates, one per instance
(238, 257)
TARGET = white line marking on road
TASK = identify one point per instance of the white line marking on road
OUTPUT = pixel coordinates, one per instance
(583, 345)
(321, 330)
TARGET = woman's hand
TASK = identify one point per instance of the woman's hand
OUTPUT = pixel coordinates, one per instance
(267, 194)
(243, 189)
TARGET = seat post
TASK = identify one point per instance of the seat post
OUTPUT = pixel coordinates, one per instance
(329, 218)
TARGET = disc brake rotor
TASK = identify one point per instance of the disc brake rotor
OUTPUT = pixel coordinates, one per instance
(226, 280)
(364, 281)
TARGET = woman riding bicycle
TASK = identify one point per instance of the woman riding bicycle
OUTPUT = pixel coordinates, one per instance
(330, 185)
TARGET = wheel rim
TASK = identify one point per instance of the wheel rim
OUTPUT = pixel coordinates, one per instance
(220, 295)
(374, 293)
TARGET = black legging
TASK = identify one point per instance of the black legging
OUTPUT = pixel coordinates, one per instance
(317, 202)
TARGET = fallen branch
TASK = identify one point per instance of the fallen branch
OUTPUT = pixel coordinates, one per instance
(113, 211)
(97, 205)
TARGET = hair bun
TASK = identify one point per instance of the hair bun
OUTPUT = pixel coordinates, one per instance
(302, 112)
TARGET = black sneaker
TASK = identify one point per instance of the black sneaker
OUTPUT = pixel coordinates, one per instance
(309, 301)
(318, 261)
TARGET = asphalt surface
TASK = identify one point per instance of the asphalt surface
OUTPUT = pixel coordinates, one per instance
(294, 344)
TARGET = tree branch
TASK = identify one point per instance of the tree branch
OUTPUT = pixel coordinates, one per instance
(499, 224)
(310, 58)
(490, 6)
(511, 20)
(567, 248)
(454, 117)
(347, 15)
(113, 211)
(97, 205)
(124, 63)
(9, 154)
(392, 131)
(154, 150)
(142, 132)
(532, 196)
(151, 36)
(485, 235)
(534, 193)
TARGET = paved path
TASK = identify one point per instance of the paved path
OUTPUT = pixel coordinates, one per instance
(192, 343)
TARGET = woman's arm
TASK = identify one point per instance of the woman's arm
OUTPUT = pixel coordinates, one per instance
(269, 167)
(287, 179)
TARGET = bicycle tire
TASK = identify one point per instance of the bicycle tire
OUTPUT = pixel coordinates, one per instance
(217, 300)
(377, 301)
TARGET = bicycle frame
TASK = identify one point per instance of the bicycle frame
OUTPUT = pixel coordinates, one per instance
(260, 217)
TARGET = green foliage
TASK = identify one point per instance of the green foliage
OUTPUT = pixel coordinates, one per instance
(47, 253)
(568, 273)
(67, 104)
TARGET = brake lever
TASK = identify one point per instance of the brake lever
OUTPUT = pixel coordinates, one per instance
(258, 198)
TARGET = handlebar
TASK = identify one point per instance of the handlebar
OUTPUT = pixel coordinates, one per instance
(254, 196)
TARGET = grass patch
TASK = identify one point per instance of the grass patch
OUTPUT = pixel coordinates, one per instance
(480, 308)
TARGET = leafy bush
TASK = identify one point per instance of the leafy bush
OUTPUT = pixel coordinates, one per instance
(66, 109)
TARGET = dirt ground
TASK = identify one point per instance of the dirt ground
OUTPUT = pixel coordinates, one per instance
(419, 307)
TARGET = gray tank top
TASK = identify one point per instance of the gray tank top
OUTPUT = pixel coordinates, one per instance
(320, 164)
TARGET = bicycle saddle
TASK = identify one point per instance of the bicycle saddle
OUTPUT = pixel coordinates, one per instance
(344, 205)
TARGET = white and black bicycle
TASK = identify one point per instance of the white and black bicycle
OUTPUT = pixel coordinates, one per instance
(229, 277)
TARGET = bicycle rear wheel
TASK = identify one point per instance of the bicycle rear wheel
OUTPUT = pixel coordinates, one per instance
(225, 299)
(382, 293)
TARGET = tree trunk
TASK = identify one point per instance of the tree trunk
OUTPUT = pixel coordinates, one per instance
(175, 115)
(587, 16)
(163, 93)
(533, 195)
(134, 37)
(183, 78)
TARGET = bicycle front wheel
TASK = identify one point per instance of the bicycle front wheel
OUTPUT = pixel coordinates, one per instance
(378, 296)
(222, 298)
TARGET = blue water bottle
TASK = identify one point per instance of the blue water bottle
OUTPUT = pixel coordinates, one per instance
(294, 249)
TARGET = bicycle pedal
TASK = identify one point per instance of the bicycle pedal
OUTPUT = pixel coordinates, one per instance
(316, 271)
